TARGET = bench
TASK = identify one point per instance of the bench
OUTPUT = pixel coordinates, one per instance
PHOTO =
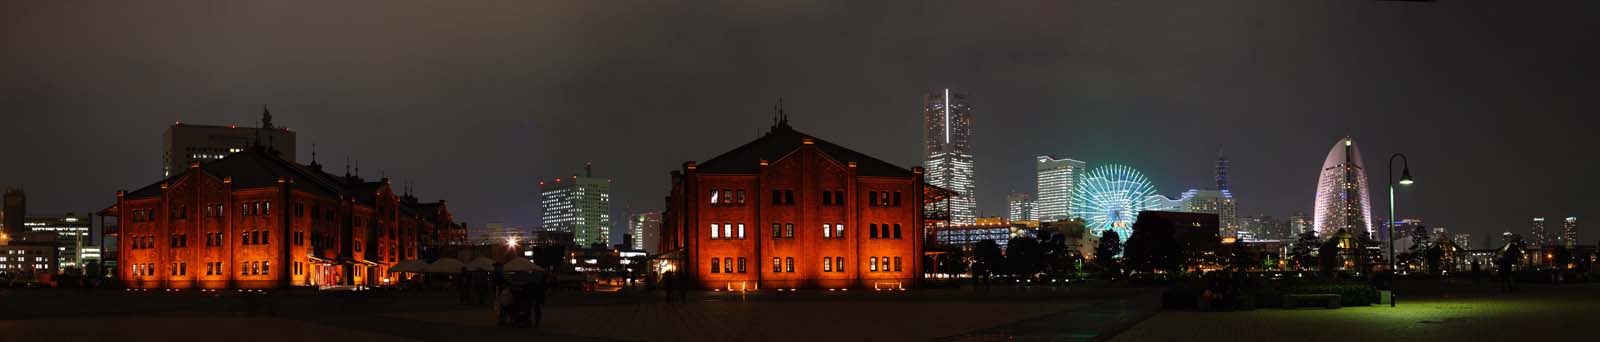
(1291, 301)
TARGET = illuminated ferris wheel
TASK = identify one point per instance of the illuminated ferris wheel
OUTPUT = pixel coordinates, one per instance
(1111, 197)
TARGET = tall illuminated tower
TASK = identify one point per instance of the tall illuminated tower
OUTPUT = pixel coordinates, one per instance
(947, 152)
(1569, 230)
(1057, 179)
(1538, 233)
(580, 205)
(1343, 200)
(1019, 206)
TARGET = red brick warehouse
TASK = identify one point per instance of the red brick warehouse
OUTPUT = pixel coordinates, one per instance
(789, 210)
(256, 220)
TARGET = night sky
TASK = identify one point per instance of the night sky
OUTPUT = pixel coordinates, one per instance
(475, 101)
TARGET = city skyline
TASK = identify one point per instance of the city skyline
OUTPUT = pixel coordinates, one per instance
(1087, 87)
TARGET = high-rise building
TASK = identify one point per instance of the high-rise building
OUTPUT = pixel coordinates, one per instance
(1218, 202)
(72, 237)
(580, 205)
(1569, 230)
(1342, 200)
(1222, 173)
(187, 143)
(1057, 179)
(16, 209)
(1537, 234)
(947, 152)
(1020, 206)
(645, 228)
(1463, 240)
(1262, 228)
(1299, 223)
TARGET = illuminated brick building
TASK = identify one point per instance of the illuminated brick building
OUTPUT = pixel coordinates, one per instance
(789, 210)
(256, 220)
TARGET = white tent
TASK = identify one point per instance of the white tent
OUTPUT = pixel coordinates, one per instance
(444, 265)
(480, 264)
(520, 264)
(409, 266)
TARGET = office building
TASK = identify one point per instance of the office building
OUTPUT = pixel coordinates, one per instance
(1216, 202)
(580, 205)
(645, 229)
(1569, 230)
(1343, 200)
(1299, 223)
(1019, 206)
(15, 212)
(790, 210)
(947, 152)
(183, 144)
(72, 238)
(1057, 179)
(1537, 235)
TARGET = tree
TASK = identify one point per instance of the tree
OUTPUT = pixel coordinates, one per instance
(1151, 250)
(1328, 258)
(986, 258)
(1419, 243)
(1364, 254)
(1243, 259)
(1301, 253)
(1024, 257)
(1106, 252)
(1434, 257)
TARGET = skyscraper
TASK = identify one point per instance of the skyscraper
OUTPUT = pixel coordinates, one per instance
(1342, 196)
(1020, 206)
(187, 143)
(645, 228)
(16, 209)
(580, 205)
(1537, 233)
(1569, 230)
(1222, 173)
(1057, 179)
(1299, 223)
(947, 152)
(1218, 202)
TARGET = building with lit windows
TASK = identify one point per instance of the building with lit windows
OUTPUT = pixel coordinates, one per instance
(256, 220)
(1538, 236)
(1343, 200)
(790, 210)
(1057, 179)
(1019, 206)
(1217, 202)
(947, 152)
(1569, 229)
(580, 205)
(183, 143)
(72, 238)
(645, 229)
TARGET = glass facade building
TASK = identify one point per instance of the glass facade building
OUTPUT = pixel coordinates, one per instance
(579, 205)
(1057, 179)
(947, 152)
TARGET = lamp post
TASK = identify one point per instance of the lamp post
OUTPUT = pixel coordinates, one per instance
(1405, 179)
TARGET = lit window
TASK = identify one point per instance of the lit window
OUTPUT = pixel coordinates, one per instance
(872, 264)
(727, 265)
(714, 230)
(777, 231)
(777, 265)
(788, 230)
(885, 263)
(838, 230)
(741, 230)
(741, 196)
(715, 195)
(827, 230)
(838, 264)
(727, 230)
(788, 264)
(827, 264)
(741, 264)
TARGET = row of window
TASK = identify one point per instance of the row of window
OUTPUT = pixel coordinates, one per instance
(832, 197)
(725, 265)
(178, 240)
(727, 196)
(144, 269)
(255, 237)
(727, 231)
(213, 239)
(142, 215)
(255, 267)
(262, 208)
(786, 230)
(873, 264)
(881, 231)
(141, 242)
(782, 197)
(883, 199)
(829, 264)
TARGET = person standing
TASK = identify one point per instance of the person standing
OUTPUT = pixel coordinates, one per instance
(536, 294)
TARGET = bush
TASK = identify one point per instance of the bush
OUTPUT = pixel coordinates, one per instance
(1352, 294)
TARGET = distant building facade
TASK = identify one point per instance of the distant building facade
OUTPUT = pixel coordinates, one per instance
(790, 210)
(1569, 229)
(1019, 206)
(183, 144)
(947, 152)
(581, 205)
(73, 239)
(1217, 202)
(1537, 233)
(645, 229)
(15, 212)
(1057, 178)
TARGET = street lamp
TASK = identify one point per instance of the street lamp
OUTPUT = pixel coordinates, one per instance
(1405, 179)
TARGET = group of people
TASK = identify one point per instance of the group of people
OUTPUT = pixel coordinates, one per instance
(519, 301)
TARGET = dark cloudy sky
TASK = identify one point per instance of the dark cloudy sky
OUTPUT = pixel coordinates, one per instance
(473, 101)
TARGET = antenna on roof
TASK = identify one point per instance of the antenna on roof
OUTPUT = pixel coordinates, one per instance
(347, 166)
(313, 153)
